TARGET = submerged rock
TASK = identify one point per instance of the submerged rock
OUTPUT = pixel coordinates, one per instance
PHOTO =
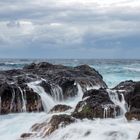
(115, 135)
(133, 114)
(26, 135)
(60, 108)
(46, 128)
(96, 104)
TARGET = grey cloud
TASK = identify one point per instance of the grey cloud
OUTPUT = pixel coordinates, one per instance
(51, 24)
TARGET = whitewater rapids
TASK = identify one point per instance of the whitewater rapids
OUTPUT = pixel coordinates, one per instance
(13, 125)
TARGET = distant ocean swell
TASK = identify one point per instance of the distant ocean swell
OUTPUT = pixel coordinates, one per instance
(113, 71)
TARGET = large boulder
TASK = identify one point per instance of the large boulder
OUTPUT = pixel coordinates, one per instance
(60, 74)
(65, 78)
(96, 104)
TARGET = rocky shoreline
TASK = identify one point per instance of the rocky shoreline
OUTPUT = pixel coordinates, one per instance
(14, 89)
(62, 83)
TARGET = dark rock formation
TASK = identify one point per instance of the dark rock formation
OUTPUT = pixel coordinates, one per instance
(46, 128)
(96, 104)
(60, 108)
(55, 78)
(131, 92)
(67, 76)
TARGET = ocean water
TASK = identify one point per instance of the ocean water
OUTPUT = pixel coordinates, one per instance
(113, 72)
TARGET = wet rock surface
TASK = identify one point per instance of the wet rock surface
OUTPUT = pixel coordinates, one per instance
(131, 92)
(96, 104)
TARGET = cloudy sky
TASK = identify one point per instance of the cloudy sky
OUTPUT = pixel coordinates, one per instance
(70, 28)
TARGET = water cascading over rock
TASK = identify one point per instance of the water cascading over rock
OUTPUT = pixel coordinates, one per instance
(131, 92)
(96, 104)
